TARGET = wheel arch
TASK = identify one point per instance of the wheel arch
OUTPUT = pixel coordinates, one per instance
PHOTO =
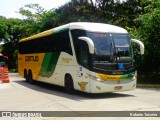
(68, 75)
(69, 83)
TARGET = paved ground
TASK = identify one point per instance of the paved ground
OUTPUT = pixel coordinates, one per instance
(19, 95)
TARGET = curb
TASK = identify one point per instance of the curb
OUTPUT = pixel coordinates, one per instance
(148, 85)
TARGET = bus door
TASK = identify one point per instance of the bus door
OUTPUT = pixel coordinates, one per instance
(82, 71)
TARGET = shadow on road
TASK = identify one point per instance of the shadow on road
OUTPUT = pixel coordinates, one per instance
(60, 91)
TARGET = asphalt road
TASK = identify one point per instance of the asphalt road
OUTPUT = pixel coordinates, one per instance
(19, 95)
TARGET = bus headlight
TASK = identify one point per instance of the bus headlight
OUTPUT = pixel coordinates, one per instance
(95, 78)
(98, 79)
(134, 77)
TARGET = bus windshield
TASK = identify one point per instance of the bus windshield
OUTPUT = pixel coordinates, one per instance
(122, 45)
(110, 48)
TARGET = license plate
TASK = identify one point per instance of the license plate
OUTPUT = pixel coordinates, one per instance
(118, 88)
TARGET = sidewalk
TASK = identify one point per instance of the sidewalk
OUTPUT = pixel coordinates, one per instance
(5, 86)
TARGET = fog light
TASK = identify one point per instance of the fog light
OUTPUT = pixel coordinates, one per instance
(134, 77)
(98, 79)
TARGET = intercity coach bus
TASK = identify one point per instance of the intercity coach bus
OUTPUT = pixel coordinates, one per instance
(88, 57)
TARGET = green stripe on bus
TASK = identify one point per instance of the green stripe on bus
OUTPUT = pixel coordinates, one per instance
(127, 76)
(49, 64)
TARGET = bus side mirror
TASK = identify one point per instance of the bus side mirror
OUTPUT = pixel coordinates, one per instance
(140, 44)
(89, 42)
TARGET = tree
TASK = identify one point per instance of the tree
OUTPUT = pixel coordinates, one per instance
(50, 20)
(10, 46)
(149, 32)
(3, 29)
(125, 12)
(77, 11)
(33, 14)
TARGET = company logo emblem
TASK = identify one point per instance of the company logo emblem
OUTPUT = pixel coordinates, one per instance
(120, 66)
(66, 60)
(82, 85)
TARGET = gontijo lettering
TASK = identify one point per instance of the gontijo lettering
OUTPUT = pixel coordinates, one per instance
(32, 58)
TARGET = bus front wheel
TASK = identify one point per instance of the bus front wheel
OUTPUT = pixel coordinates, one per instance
(69, 87)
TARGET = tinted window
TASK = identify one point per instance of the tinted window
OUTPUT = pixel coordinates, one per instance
(123, 45)
(83, 54)
(54, 43)
(81, 47)
(75, 35)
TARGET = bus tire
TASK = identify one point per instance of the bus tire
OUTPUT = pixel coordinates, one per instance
(69, 87)
(25, 75)
(30, 78)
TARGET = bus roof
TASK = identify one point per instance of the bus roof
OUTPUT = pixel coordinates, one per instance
(92, 27)
(97, 27)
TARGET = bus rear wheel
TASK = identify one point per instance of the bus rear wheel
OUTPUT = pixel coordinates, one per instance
(30, 78)
(25, 75)
(69, 87)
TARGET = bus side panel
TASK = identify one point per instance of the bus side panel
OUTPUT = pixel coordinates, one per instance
(55, 78)
(20, 65)
(68, 63)
(79, 74)
(83, 79)
(30, 61)
(49, 64)
(51, 68)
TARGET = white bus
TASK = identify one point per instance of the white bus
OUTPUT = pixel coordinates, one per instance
(89, 57)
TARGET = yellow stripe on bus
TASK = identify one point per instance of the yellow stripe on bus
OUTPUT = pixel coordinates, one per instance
(45, 33)
(109, 77)
(116, 77)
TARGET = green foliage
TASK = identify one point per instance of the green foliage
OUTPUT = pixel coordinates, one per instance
(9, 49)
(32, 12)
(3, 28)
(76, 11)
(50, 19)
(149, 32)
(12, 30)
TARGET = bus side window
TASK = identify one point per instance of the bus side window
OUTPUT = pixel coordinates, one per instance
(83, 53)
(75, 34)
(65, 42)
